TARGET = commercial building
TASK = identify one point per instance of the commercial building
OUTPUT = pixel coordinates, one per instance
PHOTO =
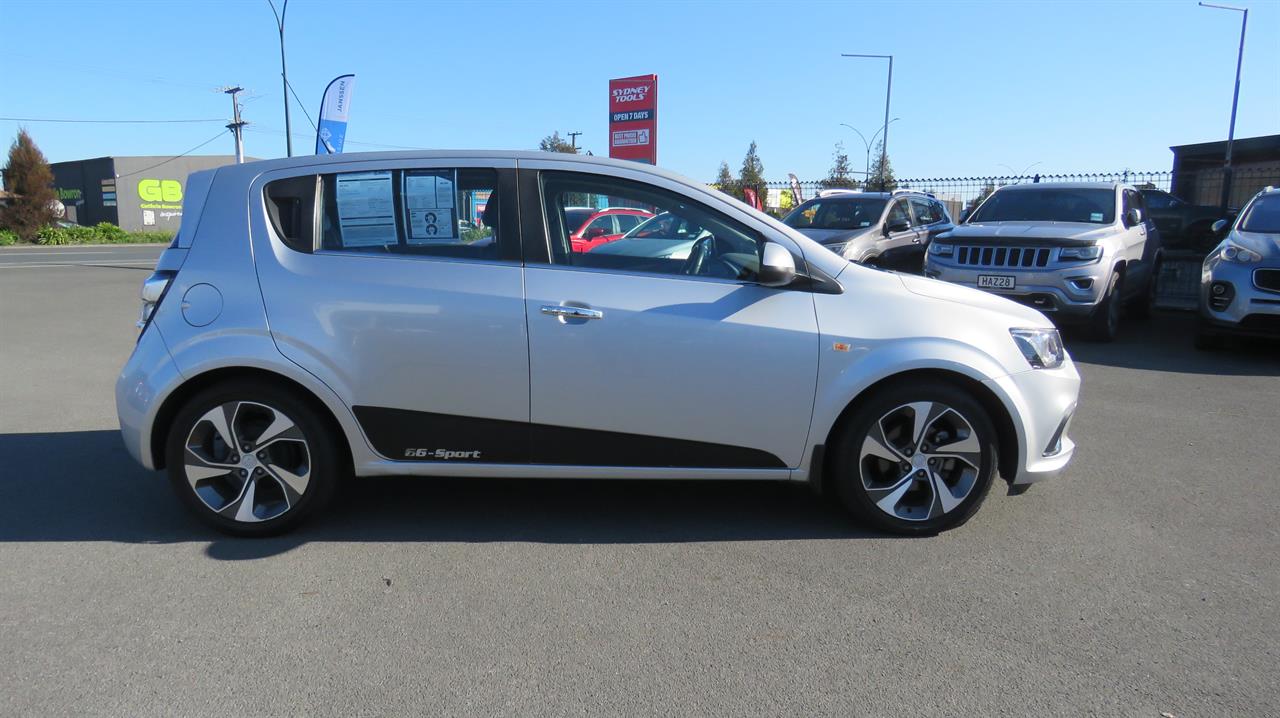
(135, 193)
(1197, 169)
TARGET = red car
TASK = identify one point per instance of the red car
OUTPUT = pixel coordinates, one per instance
(596, 227)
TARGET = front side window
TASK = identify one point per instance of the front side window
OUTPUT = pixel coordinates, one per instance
(898, 216)
(1088, 205)
(681, 237)
(841, 213)
(434, 212)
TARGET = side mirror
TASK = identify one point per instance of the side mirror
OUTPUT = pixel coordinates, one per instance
(964, 216)
(1133, 217)
(1220, 227)
(777, 266)
(594, 232)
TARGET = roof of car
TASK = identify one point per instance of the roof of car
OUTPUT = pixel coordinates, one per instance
(1062, 185)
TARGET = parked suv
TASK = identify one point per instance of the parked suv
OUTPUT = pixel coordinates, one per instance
(885, 229)
(1240, 281)
(320, 316)
(1075, 251)
(1184, 225)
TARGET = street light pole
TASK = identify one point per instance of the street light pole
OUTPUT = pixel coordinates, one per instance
(884, 143)
(867, 174)
(284, 75)
(1227, 170)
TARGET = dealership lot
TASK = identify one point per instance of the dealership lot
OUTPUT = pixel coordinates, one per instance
(1143, 582)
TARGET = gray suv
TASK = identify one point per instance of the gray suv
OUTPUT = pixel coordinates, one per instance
(1240, 279)
(882, 229)
(1076, 251)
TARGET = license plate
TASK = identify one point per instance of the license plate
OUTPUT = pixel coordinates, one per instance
(995, 281)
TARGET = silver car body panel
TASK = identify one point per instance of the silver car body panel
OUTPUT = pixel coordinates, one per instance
(1250, 298)
(699, 359)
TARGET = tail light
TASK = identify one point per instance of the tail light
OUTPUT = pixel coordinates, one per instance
(153, 291)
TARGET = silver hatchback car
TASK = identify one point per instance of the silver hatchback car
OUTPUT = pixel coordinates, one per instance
(426, 314)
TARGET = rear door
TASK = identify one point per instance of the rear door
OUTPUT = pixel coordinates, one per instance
(660, 351)
(399, 285)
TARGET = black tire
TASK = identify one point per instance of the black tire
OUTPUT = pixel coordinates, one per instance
(1104, 324)
(1144, 304)
(855, 476)
(316, 451)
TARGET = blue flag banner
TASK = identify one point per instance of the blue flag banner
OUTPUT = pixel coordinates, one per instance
(331, 131)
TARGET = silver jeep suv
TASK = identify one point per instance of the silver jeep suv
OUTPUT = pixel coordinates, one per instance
(1075, 251)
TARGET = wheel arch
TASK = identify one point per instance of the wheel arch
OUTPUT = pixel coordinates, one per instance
(183, 392)
(1007, 441)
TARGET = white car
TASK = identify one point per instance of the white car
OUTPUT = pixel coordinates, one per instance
(318, 317)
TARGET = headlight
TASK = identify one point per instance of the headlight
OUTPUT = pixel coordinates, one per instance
(1090, 252)
(1233, 252)
(941, 250)
(837, 247)
(1042, 347)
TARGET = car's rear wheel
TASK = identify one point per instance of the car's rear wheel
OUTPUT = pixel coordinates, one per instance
(1104, 325)
(915, 458)
(251, 459)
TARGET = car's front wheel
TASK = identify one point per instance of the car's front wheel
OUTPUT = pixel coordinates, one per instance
(915, 458)
(251, 459)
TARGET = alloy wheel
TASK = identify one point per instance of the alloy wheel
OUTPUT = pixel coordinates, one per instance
(920, 461)
(247, 461)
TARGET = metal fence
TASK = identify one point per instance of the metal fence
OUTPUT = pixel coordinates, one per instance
(1202, 187)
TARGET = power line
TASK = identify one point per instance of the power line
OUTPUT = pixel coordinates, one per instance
(184, 154)
(109, 122)
(304, 108)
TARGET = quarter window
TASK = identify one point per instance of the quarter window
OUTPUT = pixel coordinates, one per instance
(673, 235)
(434, 212)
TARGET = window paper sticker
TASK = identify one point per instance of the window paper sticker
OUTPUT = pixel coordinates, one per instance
(1095, 217)
(429, 206)
(366, 209)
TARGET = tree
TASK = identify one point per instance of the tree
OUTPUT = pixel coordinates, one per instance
(752, 174)
(839, 174)
(725, 182)
(554, 143)
(28, 176)
(875, 181)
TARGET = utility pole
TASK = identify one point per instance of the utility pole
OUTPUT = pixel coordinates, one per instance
(573, 140)
(284, 75)
(237, 124)
(888, 90)
(1227, 170)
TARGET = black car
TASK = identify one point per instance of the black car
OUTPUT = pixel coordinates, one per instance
(1184, 225)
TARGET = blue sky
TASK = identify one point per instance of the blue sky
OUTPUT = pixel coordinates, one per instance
(979, 87)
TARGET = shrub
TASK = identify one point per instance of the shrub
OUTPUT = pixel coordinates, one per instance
(7, 238)
(102, 233)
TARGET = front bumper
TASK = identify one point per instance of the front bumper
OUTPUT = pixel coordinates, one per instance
(1042, 403)
(1248, 309)
(1069, 292)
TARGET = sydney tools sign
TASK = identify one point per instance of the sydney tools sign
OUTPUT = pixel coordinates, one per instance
(633, 118)
(331, 131)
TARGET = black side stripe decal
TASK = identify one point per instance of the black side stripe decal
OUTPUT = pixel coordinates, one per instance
(404, 435)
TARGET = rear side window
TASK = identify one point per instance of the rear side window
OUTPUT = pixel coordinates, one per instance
(291, 207)
(444, 212)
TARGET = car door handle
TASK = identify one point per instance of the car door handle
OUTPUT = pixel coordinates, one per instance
(915, 240)
(557, 310)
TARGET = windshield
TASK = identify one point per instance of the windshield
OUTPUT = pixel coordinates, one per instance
(1262, 215)
(1093, 206)
(575, 218)
(843, 213)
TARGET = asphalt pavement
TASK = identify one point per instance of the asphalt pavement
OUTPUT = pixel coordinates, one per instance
(1144, 583)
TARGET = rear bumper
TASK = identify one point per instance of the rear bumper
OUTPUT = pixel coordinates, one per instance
(138, 392)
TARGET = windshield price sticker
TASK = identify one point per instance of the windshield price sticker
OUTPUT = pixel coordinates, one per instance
(429, 206)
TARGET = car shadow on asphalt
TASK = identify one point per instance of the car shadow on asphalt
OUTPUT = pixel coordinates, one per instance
(1165, 342)
(83, 486)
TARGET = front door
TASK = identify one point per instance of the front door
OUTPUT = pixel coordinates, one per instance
(408, 302)
(901, 238)
(658, 349)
